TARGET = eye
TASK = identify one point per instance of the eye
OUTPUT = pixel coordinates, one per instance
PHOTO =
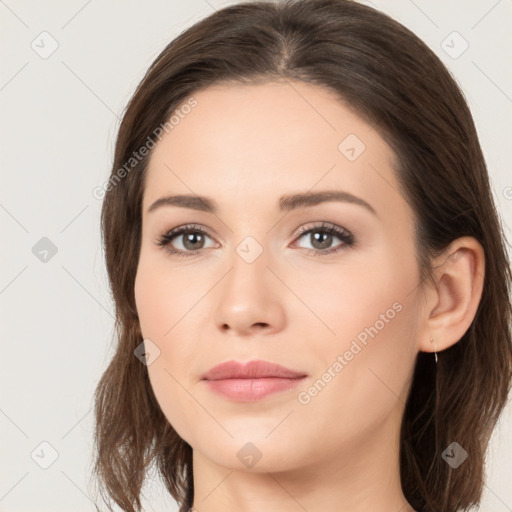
(321, 237)
(192, 239)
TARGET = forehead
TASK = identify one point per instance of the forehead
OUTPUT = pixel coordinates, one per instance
(248, 141)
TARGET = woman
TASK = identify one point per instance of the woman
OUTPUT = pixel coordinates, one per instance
(310, 278)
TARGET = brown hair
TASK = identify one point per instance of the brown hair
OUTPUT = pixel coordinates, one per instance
(394, 81)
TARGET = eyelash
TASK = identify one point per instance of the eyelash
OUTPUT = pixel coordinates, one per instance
(345, 236)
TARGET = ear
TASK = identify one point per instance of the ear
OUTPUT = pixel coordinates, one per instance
(451, 303)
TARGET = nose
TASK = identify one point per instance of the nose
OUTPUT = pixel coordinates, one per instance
(250, 299)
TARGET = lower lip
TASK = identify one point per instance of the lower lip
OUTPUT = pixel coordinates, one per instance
(250, 390)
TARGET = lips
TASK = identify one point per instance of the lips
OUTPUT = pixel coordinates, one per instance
(252, 370)
(251, 382)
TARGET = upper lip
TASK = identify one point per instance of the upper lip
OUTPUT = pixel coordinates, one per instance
(251, 370)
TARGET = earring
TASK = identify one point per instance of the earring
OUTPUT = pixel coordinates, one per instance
(435, 348)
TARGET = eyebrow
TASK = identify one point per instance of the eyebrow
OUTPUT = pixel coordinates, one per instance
(286, 203)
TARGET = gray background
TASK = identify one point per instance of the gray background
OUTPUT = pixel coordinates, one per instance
(60, 114)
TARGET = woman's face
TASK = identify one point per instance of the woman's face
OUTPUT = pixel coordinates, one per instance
(339, 307)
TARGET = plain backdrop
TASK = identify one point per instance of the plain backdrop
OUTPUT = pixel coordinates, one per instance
(68, 70)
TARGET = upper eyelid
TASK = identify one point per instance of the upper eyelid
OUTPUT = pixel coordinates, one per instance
(323, 225)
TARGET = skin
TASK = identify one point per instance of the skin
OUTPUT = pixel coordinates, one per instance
(244, 146)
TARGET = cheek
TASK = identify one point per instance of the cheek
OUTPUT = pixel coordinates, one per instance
(161, 296)
(346, 302)
(374, 316)
(155, 306)
(165, 302)
(160, 308)
(365, 373)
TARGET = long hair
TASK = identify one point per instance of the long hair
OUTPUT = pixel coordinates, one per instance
(391, 79)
